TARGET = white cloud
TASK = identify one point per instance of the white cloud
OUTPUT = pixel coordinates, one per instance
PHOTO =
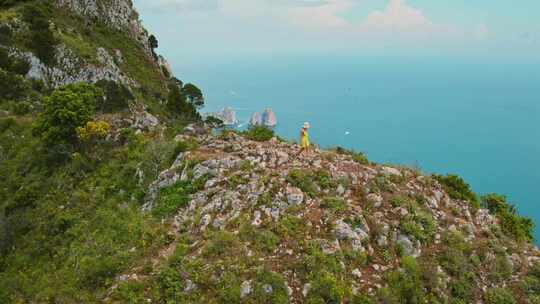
(322, 16)
(304, 24)
(182, 5)
(398, 17)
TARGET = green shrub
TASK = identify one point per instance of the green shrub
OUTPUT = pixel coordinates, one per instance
(462, 289)
(303, 180)
(278, 295)
(14, 64)
(262, 239)
(183, 146)
(6, 34)
(6, 124)
(116, 96)
(42, 41)
(400, 201)
(13, 87)
(358, 157)
(381, 183)
(501, 269)
(172, 198)
(323, 179)
(325, 288)
(65, 110)
(362, 299)
(457, 188)
(520, 228)
(259, 133)
(335, 204)
(406, 284)
(315, 261)
(21, 108)
(290, 226)
(170, 283)
(228, 288)
(499, 296)
(221, 242)
(421, 226)
(129, 292)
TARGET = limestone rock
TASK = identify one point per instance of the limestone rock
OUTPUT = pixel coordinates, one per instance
(391, 171)
(408, 246)
(268, 118)
(228, 116)
(256, 119)
(295, 196)
(245, 289)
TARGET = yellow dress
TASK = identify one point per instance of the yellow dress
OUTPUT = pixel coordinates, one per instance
(304, 139)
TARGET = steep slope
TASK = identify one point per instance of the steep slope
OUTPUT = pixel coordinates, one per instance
(73, 155)
(93, 40)
(265, 226)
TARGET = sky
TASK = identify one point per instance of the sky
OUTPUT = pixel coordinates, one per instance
(195, 29)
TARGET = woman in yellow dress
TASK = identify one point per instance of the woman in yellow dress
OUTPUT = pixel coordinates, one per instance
(304, 139)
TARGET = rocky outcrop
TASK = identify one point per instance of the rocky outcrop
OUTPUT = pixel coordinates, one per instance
(279, 210)
(118, 14)
(72, 69)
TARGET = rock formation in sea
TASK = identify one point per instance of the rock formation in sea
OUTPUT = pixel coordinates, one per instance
(256, 119)
(228, 116)
(267, 118)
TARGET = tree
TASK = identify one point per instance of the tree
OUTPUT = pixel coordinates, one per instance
(65, 110)
(6, 34)
(153, 42)
(193, 95)
(42, 40)
(178, 105)
(13, 86)
(116, 96)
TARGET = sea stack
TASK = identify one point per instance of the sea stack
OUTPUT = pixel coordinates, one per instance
(269, 118)
(228, 116)
(256, 119)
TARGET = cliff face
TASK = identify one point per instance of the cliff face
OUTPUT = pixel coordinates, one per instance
(95, 40)
(119, 15)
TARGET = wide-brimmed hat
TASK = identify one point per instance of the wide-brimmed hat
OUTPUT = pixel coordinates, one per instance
(306, 125)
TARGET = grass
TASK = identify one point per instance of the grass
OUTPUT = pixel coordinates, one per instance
(80, 213)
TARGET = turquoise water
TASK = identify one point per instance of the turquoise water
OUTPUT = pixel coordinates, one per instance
(478, 120)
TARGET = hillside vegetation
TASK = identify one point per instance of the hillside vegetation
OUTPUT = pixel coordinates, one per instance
(113, 190)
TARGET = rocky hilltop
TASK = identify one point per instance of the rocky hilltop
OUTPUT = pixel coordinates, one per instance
(267, 226)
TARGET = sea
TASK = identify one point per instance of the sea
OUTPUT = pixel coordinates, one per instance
(479, 119)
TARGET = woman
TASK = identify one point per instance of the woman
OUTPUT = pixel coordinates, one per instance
(304, 139)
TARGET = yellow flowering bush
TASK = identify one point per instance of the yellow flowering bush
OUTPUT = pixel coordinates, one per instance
(93, 130)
